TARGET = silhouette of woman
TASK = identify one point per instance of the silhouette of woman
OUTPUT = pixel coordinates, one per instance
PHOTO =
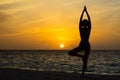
(84, 28)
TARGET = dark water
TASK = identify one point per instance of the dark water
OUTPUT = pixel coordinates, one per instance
(100, 61)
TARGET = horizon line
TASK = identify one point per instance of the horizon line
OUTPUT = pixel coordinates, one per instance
(51, 49)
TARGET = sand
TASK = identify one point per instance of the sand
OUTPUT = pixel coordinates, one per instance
(18, 74)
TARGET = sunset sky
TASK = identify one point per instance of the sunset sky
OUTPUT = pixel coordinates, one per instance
(45, 24)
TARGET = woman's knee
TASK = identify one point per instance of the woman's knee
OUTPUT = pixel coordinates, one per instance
(70, 53)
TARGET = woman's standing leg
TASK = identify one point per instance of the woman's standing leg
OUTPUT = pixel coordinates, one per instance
(85, 59)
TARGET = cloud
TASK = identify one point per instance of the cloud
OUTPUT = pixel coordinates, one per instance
(4, 16)
(8, 6)
(5, 23)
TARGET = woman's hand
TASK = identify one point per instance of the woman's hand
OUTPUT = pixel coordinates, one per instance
(85, 9)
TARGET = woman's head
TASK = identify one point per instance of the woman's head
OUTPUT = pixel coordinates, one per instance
(85, 22)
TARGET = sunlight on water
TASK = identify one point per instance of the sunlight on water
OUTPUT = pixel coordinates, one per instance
(100, 62)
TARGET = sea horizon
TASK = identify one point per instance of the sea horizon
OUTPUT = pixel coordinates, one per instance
(54, 49)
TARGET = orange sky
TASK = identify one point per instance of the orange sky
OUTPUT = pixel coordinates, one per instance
(45, 24)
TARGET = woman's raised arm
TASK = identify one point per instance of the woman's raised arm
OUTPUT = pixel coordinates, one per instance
(85, 9)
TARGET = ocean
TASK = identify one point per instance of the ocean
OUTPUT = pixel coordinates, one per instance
(100, 61)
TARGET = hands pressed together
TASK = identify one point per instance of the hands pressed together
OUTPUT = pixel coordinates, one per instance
(85, 9)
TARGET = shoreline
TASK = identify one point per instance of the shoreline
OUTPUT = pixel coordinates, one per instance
(19, 74)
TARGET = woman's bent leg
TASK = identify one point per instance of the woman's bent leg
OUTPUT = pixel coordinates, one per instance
(74, 52)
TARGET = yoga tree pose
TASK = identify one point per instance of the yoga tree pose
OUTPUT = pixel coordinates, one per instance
(84, 45)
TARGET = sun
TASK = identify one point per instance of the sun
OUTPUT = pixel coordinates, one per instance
(61, 45)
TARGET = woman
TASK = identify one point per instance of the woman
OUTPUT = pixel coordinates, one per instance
(84, 28)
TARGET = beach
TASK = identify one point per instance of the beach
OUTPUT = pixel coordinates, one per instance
(19, 74)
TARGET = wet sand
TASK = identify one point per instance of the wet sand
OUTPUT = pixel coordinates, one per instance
(18, 74)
